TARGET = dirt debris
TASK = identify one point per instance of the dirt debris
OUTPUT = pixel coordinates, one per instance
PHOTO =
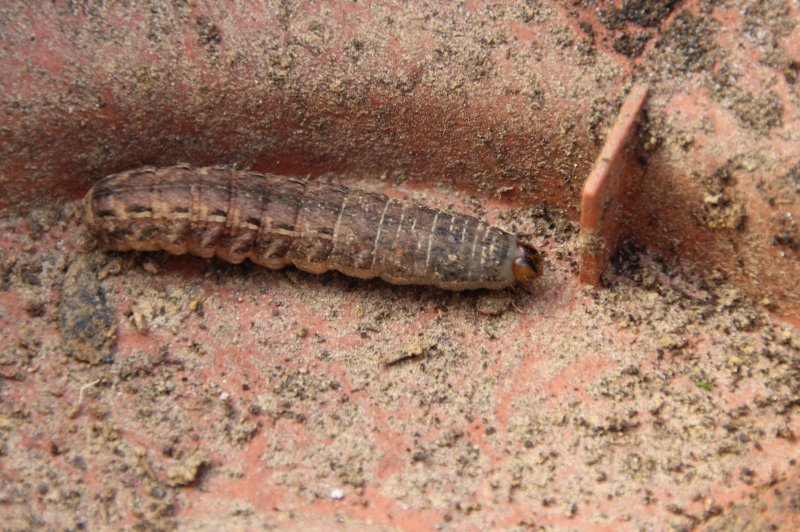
(720, 209)
(493, 304)
(88, 331)
(685, 47)
(631, 45)
(761, 113)
(187, 471)
(644, 13)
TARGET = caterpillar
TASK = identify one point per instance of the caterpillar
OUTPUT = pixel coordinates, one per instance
(275, 221)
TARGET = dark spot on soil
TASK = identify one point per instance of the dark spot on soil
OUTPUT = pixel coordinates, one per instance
(760, 113)
(631, 45)
(792, 72)
(587, 29)
(88, 332)
(644, 13)
(6, 269)
(532, 10)
(787, 236)
(208, 33)
(794, 174)
(355, 49)
(478, 65)
(601, 114)
(627, 258)
(686, 46)
(35, 309)
(30, 272)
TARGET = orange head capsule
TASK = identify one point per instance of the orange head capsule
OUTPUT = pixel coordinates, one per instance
(528, 266)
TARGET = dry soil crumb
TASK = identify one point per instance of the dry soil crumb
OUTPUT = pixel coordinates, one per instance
(88, 331)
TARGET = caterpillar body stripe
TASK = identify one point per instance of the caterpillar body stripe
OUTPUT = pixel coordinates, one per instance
(275, 221)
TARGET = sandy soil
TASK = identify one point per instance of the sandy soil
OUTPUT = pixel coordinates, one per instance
(146, 391)
(149, 391)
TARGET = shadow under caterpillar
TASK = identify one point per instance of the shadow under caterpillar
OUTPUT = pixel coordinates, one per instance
(275, 221)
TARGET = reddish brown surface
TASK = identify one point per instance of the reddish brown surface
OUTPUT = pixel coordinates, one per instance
(241, 397)
(244, 398)
(512, 101)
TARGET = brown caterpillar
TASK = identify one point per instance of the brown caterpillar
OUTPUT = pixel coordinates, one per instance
(275, 221)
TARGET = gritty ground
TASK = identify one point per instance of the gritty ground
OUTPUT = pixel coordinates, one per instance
(511, 99)
(148, 391)
(144, 391)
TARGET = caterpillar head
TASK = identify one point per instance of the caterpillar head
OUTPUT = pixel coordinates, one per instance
(528, 265)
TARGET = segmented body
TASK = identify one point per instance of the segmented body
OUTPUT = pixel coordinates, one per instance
(275, 221)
